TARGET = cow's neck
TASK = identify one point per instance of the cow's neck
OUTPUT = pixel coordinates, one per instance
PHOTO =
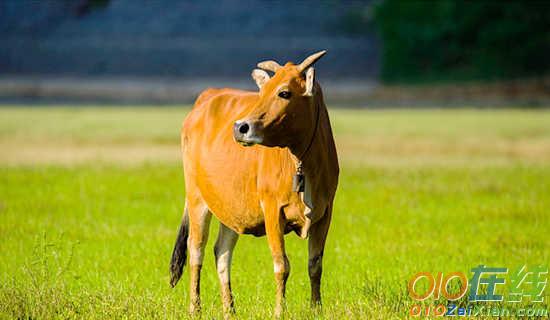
(309, 152)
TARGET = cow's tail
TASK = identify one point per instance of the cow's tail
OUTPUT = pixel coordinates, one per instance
(179, 255)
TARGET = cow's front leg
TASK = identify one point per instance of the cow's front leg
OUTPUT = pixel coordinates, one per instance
(316, 246)
(199, 223)
(274, 226)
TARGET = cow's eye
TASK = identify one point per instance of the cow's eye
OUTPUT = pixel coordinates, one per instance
(285, 94)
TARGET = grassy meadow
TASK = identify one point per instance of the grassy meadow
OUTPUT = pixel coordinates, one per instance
(91, 198)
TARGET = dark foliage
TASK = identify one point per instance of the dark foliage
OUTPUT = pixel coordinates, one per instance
(463, 40)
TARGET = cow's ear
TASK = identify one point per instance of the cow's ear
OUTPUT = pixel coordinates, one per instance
(310, 79)
(260, 76)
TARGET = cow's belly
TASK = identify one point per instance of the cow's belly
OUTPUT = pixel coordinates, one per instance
(238, 213)
(242, 220)
(246, 217)
(250, 220)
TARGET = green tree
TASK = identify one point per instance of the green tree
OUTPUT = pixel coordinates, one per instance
(463, 40)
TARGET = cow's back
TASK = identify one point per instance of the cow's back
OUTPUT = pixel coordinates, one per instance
(214, 105)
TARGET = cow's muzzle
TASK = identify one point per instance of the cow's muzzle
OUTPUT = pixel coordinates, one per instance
(247, 133)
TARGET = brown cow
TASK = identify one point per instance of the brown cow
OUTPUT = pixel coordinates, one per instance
(280, 176)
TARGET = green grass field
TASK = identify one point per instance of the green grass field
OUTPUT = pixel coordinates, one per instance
(91, 198)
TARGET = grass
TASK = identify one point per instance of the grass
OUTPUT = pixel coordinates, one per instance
(90, 201)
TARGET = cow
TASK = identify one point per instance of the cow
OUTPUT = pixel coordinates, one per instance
(263, 163)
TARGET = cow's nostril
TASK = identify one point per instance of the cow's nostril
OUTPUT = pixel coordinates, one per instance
(244, 128)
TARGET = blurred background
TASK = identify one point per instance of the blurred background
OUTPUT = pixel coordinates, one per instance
(439, 111)
(381, 53)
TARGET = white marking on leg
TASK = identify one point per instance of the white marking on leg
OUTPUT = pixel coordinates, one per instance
(196, 256)
(278, 267)
(225, 244)
(224, 267)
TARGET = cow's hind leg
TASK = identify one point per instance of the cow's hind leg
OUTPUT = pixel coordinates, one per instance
(199, 223)
(223, 250)
(317, 238)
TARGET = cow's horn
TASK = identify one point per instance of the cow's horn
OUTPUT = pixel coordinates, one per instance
(311, 60)
(269, 65)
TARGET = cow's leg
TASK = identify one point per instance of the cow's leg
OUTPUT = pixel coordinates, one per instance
(223, 250)
(274, 226)
(317, 237)
(199, 222)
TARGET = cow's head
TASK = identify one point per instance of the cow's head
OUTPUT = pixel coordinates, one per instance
(285, 108)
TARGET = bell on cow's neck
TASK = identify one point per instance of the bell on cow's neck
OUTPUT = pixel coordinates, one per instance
(299, 180)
